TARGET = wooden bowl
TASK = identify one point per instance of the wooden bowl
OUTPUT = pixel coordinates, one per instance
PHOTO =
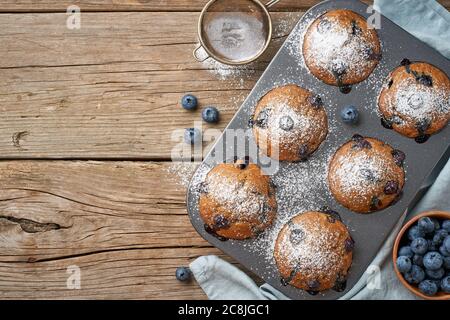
(432, 214)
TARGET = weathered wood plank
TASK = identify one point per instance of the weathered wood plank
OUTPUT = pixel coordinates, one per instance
(51, 209)
(111, 89)
(141, 5)
(129, 274)
(123, 223)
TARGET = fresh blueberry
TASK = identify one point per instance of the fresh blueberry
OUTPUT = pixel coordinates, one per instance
(415, 276)
(439, 236)
(437, 283)
(428, 287)
(446, 262)
(417, 260)
(433, 260)
(415, 232)
(210, 114)
(350, 115)
(189, 102)
(192, 136)
(426, 224)
(437, 226)
(444, 251)
(406, 251)
(445, 284)
(431, 246)
(446, 225)
(446, 243)
(183, 273)
(404, 264)
(419, 245)
(435, 274)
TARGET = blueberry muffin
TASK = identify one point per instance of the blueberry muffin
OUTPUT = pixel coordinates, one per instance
(289, 123)
(237, 201)
(340, 49)
(366, 174)
(313, 252)
(415, 100)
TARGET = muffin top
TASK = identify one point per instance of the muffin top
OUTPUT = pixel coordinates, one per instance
(366, 175)
(340, 49)
(415, 100)
(313, 252)
(237, 201)
(289, 123)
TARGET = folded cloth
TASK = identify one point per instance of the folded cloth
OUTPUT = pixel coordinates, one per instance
(221, 280)
(427, 20)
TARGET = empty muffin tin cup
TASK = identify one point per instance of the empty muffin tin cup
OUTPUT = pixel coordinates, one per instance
(234, 32)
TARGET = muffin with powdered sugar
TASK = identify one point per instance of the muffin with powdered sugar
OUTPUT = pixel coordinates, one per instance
(340, 49)
(415, 100)
(237, 201)
(366, 174)
(314, 252)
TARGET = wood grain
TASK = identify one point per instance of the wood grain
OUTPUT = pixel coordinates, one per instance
(112, 89)
(51, 209)
(140, 5)
(123, 223)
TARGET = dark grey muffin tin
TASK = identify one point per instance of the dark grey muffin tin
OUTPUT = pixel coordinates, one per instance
(423, 161)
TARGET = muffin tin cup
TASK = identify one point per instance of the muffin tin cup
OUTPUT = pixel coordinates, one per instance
(422, 164)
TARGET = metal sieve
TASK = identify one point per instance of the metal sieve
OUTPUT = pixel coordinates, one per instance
(234, 32)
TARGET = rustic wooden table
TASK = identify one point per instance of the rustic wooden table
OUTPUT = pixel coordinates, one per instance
(86, 177)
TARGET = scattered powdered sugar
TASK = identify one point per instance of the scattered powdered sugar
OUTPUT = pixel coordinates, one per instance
(182, 172)
(419, 102)
(224, 72)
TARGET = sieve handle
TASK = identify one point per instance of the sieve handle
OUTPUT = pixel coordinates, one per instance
(271, 3)
(197, 57)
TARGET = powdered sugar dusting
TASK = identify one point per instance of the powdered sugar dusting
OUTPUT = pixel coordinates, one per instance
(301, 124)
(360, 172)
(316, 252)
(419, 102)
(238, 198)
(182, 172)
